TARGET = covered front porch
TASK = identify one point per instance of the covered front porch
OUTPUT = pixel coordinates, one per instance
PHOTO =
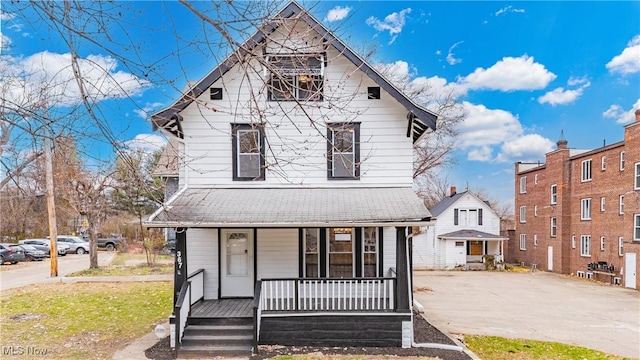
(476, 248)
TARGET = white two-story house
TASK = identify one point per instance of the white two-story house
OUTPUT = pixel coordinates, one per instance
(466, 229)
(295, 196)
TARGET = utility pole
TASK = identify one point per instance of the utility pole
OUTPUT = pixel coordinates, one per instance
(51, 202)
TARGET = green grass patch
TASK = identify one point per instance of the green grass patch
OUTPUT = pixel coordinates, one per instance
(82, 320)
(499, 348)
(126, 259)
(140, 269)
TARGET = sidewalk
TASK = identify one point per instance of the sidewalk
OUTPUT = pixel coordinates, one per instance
(135, 350)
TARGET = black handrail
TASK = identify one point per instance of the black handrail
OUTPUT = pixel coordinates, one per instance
(176, 312)
(256, 305)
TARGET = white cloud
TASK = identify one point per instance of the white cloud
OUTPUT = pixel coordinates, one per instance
(482, 154)
(628, 62)
(6, 16)
(146, 142)
(144, 112)
(510, 74)
(337, 13)
(508, 9)
(394, 23)
(527, 148)
(620, 115)
(49, 76)
(560, 96)
(5, 41)
(484, 126)
(451, 59)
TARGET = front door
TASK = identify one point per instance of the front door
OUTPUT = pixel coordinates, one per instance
(630, 270)
(475, 247)
(236, 263)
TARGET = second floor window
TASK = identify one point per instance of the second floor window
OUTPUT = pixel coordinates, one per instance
(523, 185)
(248, 152)
(523, 214)
(602, 204)
(298, 77)
(637, 178)
(554, 227)
(585, 206)
(621, 205)
(586, 170)
(554, 194)
(343, 151)
(621, 160)
(636, 228)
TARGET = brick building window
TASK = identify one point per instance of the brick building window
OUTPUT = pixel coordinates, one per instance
(535, 240)
(601, 243)
(535, 210)
(554, 227)
(621, 205)
(523, 185)
(554, 194)
(585, 245)
(637, 178)
(535, 179)
(523, 241)
(586, 170)
(621, 160)
(620, 246)
(603, 163)
(602, 204)
(523, 214)
(585, 209)
(636, 227)
(573, 242)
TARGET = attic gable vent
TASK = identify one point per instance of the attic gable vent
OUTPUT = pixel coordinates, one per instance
(215, 93)
(373, 92)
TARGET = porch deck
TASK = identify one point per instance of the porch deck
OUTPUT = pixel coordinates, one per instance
(223, 308)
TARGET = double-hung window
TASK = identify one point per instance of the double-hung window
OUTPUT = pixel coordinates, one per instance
(523, 214)
(248, 152)
(586, 170)
(523, 241)
(523, 185)
(343, 151)
(621, 160)
(636, 227)
(585, 209)
(620, 246)
(554, 194)
(296, 77)
(602, 201)
(585, 245)
(554, 227)
(603, 163)
(637, 177)
(621, 205)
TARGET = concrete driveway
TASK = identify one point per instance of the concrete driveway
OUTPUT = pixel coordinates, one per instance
(539, 306)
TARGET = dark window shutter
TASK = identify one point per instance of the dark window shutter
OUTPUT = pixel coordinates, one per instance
(479, 216)
(455, 216)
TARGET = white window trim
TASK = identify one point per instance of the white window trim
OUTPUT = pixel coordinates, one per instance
(535, 240)
(554, 194)
(622, 160)
(585, 209)
(620, 246)
(523, 214)
(601, 243)
(636, 227)
(535, 179)
(602, 203)
(636, 178)
(523, 185)
(603, 163)
(523, 241)
(535, 210)
(554, 227)
(573, 241)
(586, 173)
(585, 245)
(621, 205)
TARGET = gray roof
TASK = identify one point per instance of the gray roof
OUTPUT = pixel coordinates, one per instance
(290, 207)
(420, 119)
(444, 204)
(468, 234)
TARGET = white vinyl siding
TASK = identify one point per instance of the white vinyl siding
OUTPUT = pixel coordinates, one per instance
(277, 253)
(202, 253)
(297, 145)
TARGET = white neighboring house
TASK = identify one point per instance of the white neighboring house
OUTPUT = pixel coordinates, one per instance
(295, 163)
(466, 228)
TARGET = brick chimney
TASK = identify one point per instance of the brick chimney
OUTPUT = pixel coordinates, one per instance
(452, 191)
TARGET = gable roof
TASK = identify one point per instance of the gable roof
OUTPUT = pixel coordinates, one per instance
(468, 234)
(445, 203)
(420, 120)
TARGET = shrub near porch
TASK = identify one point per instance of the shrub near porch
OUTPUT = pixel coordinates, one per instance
(82, 320)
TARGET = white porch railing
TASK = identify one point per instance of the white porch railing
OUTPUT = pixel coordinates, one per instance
(344, 295)
(197, 286)
(191, 292)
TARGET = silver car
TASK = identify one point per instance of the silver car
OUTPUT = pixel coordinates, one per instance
(76, 244)
(45, 245)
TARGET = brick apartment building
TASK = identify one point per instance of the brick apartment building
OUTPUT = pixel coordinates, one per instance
(579, 212)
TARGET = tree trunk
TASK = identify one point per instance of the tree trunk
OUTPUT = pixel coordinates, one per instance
(93, 246)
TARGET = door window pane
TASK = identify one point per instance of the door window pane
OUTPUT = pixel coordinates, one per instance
(370, 253)
(340, 252)
(311, 253)
(237, 254)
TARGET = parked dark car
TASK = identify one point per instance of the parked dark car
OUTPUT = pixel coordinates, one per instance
(11, 253)
(32, 254)
(111, 242)
(45, 245)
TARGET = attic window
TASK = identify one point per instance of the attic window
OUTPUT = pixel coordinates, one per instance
(373, 92)
(295, 77)
(215, 93)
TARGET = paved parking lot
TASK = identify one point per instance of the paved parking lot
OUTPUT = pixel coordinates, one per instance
(539, 305)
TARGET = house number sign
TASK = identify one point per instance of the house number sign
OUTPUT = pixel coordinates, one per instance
(179, 261)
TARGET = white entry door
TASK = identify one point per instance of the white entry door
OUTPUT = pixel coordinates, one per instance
(630, 270)
(236, 260)
(550, 258)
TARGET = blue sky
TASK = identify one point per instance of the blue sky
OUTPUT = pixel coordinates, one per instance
(524, 71)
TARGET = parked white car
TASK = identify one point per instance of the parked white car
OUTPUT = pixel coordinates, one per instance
(45, 245)
(76, 244)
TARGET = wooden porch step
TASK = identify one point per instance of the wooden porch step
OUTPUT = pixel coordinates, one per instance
(193, 320)
(196, 330)
(210, 351)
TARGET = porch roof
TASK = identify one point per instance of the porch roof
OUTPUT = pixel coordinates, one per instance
(468, 234)
(291, 207)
